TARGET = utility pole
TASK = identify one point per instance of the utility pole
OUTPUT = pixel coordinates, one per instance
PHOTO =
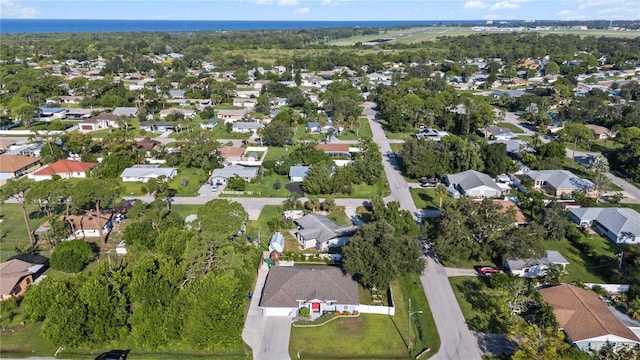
(409, 326)
(620, 256)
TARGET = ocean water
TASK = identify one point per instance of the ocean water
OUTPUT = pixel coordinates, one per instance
(8, 26)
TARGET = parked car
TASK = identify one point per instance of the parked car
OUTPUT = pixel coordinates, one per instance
(429, 182)
(488, 270)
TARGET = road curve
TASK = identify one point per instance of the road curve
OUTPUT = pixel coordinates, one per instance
(456, 341)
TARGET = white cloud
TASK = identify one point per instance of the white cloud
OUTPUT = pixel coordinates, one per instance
(475, 4)
(264, 2)
(491, 17)
(333, 2)
(598, 3)
(288, 2)
(564, 13)
(504, 5)
(14, 9)
(301, 11)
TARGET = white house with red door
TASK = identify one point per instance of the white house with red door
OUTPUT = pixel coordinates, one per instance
(323, 289)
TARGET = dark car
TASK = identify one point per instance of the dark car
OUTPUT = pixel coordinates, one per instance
(429, 182)
(488, 270)
(113, 355)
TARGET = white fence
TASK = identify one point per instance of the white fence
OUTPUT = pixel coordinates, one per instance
(611, 288)
(238, 192)
(376, 309)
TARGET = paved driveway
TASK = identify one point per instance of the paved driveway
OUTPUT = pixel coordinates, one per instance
(455, 338)
(268, 337)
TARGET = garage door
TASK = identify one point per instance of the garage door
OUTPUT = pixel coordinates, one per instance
(315, 306)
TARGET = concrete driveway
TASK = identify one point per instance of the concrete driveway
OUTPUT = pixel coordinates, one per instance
(268, 337)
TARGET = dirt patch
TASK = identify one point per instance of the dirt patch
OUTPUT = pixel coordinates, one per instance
(353, 325)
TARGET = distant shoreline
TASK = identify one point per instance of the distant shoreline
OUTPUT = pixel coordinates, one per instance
(15, 26)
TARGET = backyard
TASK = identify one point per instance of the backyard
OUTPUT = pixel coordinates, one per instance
(512, 127)
(13, 233)
(426, 198)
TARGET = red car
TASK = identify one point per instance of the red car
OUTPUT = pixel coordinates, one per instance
(488, 270)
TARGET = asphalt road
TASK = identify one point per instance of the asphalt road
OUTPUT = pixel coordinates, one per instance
(456, 341)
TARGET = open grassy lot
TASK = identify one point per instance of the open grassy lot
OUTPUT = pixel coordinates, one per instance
(264, 187)
(28, 342)
(277, 153)
(514, 128)
(195, 179)
(220, 132)
(581, 267)
(364, 131)
(425, 198)
(13, 232)
(371, 336)
(466, 292)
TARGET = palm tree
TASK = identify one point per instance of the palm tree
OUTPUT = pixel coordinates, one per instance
(633, 308)
(313, 203)
(440, 191)
(357, 126)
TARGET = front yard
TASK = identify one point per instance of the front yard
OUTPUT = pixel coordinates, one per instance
(13, 233)
(372, 336)
(426, 198)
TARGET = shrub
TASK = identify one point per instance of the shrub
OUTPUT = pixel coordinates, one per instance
(346, 312)
(71, 256)
(336, 313)
(304, 312)
(277, 185)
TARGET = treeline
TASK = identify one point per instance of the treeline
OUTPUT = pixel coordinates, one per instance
(178, 288)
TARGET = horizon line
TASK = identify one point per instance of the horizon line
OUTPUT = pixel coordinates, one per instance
(372, 20)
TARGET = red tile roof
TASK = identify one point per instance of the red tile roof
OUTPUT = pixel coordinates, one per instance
(65, 166)
(333, 147)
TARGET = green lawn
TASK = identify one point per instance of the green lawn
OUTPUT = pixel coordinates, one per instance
(399, 136)
(363, 132)
(185, 210)
(371, 336)
(28, 342)
(196, 177)
(12, 229)
(396, 147)
(220, 132)
(425, 198)
(133, 188)
(598, 146)
(466, 290)
(581, 267)
(526, 138)
(264, 187)
(277, 153)
(514, 128)
(364, 191)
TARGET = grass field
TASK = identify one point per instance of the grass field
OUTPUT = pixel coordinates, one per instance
(581, 267)
(371, 336)
(13, 232)
(514, 128)
(195, 177)
(425, 198)
(466, 292)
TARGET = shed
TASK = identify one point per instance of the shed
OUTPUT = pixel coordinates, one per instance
(276, 243)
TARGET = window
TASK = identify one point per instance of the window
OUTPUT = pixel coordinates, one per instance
(28, 281)
(17, 289)
(345, 307)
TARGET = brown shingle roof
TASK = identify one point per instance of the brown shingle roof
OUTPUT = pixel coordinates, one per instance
(506, 205)
(10, 274)
(287, 284)
(65, 166)
(147, 144)
(583, 315)
(333, 147)
(231, 151)
(88, 221)
(12, 163)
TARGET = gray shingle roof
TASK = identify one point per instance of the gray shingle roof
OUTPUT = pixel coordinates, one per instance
(471, 179)
(560, 179)
(147, 171)
(321, 228)
(616, 220)
(286, 285)
(552, 257)
(298, 171)
(233, 170)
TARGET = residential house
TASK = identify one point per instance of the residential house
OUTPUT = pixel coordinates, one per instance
(88, 125)
(319, 232)
(157, 126)
(106, 120)
(475, 184)
(89, 225)
(602, 133)
(209, 124)
(298, 173)
(246, 127)
(19, 272)
(142, 173)
(276, 243)
(248, 104)
(288, 289)
(148, 145)
(431, 134)
(259, 84)
(314, 127)
(560, 182)
(186, 113)
(82, 113)
(506, 205)
(221, 176)
(65, 99)
(232, 115)
(513, 147)
(231, 154)
(509, 94)
(50, 114)
(14, 166)
(498, 133)
(177, 94)
(335, 149)
(586, 320)
(125, 111)
(620, 225)
(64, 168)
(534, 268)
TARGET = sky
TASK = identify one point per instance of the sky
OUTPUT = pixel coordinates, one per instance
(323, 10)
